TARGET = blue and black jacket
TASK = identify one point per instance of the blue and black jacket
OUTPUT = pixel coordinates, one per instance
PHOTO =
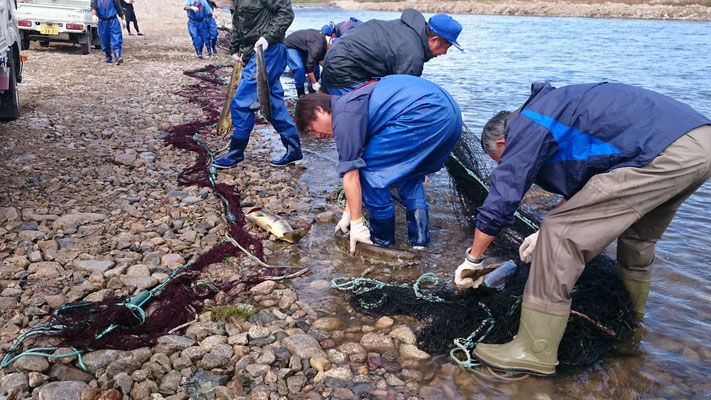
(561, 137)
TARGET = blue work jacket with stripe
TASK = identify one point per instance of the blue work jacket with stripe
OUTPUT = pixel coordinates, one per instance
(561, 137)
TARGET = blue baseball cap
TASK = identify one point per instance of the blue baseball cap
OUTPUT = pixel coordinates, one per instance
(446, 27)
(328, 29)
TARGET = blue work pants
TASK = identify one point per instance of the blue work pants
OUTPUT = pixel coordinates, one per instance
(110, 35)
(296, 65)
(246, 95)
(379, 202)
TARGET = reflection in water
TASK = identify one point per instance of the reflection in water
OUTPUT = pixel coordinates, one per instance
(503, 55)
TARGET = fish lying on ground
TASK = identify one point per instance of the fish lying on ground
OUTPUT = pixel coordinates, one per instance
(263, 85)
(375, 253)
(274, 224)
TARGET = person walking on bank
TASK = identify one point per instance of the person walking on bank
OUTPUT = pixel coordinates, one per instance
(624, 159)
(389, 131)
(306, 49)
(106, 14)
(379, 48)
(212, 33)
(198, 12)
(130, 15)
(260, 23)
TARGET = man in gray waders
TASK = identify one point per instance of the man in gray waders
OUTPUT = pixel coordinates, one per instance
(623, 158)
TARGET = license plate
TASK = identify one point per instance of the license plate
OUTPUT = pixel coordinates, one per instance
(49, 30)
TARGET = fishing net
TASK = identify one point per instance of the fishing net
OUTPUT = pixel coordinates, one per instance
(602, 314)
(132, 322)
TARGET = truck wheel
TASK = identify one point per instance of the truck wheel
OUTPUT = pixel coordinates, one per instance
(25, 42)
(95, 38)
(10, 99)
(44, 43)
(85, 48)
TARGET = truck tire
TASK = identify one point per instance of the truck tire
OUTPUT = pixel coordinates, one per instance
(25, 41)
(10, 99)
(95, 38)
(44, 43)
(86, 44)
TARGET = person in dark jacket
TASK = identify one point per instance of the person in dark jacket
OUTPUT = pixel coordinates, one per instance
(260, 23)
(106, 14)
(198, 12)
(378, 48)
(306, 49)
(335, 31)
(130, 16)
(391, 131)
(623, 158)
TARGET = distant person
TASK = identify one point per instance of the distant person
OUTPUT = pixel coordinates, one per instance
(306, 49)
(198, 12)
(106, 14)
(389, 131)
(337, 30)
(212, 33)
(130, 15)
(258, 24)
(379, 48)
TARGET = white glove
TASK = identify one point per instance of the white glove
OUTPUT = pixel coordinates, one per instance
(236, 57)
(95, 18)
(315, 86)
(344, 225)
(359, 233)
(194, 8)
(527, 247)
(466, 269)
(261, 42)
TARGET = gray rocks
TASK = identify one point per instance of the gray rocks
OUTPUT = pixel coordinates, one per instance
(304, 346)
(100, 359)
(375, 341)
(93, 265)
(60, 372)
(62, 391)
(74, 220)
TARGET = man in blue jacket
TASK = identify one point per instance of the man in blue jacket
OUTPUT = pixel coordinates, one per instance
(335, 31)
(379, 48)
(198, 12)
(390, 131)
(623, 158)
(105, 14)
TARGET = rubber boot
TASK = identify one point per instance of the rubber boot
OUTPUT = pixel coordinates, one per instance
(417, 232)
(300, 92)
(209, 52)
(382, 231)
(109, 59)
(214, 46)
(119, 60)
(293, 151)
(533, 350)
(199, 54)
(234, 156)
(638, 291)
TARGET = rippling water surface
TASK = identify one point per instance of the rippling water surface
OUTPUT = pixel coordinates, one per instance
(503, 56)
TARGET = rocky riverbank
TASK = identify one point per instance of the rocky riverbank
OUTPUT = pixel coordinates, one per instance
(689, 12)
(90, 208)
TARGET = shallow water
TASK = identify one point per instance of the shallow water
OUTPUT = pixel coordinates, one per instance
(503, 55)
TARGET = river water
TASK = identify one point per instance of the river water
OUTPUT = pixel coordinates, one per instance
(502, 56)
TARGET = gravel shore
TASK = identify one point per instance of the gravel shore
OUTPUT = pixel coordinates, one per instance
(691, 12)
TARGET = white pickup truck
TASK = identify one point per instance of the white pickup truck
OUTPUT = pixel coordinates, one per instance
(57, 21)
(10, 62)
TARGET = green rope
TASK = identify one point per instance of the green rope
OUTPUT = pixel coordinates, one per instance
(427, 278)
(360, 286)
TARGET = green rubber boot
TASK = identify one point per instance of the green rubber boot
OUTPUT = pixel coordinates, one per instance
(638, 291)
(534, 350)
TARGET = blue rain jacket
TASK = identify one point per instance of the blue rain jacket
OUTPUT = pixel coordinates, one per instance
(197, 23)
(399, 127)
(561, 137)
(342, 27)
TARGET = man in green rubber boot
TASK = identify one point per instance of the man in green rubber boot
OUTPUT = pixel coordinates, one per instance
(623, 158)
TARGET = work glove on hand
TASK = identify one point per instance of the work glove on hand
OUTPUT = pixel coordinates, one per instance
(237, 57)
(344, 225)
(194, 8)
(95, 18)
(315, 86)
(263, 42)
(527, 247)
(359, 233)
(466, 269)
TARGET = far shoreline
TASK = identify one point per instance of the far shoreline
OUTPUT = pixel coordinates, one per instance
(688, 12)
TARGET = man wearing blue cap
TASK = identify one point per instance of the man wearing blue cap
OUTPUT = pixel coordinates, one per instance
(335, 31)
(378, 48)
